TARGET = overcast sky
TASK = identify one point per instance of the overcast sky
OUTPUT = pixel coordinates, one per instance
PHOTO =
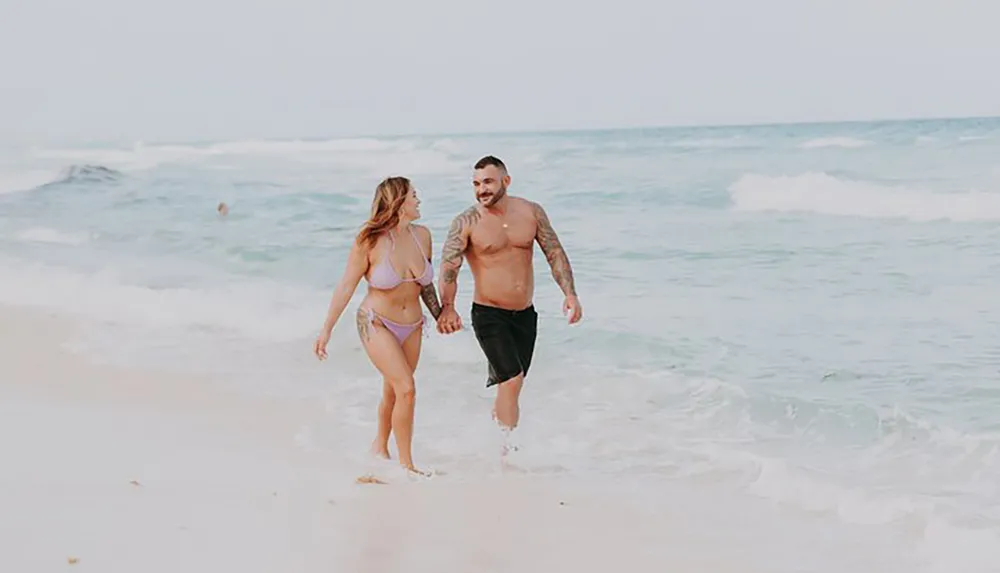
(188, 70)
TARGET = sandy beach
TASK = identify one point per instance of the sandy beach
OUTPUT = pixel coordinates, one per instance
(114, 470)
(111, 470)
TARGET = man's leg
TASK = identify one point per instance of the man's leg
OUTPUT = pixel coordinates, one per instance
(496, 335)
(523, 331)
(506, 407)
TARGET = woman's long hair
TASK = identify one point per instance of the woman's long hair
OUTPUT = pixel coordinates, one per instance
(389, 197)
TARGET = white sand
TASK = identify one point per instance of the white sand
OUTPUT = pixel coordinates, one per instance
(223, 487)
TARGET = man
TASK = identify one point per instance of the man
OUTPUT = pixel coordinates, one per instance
(497, 236)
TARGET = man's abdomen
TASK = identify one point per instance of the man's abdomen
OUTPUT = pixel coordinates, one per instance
(505, 283)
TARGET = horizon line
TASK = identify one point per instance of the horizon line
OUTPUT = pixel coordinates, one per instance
(552, 130)
(677, 126)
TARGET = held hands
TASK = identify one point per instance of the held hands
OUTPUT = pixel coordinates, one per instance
(449, 321)
(572, 309)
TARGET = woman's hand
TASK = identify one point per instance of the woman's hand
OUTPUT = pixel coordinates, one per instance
(449, 321)
(319, 347)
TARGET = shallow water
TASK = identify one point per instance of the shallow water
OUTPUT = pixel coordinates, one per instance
(799, 313)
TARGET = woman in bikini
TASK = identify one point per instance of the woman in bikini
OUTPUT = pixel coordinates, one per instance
(394, 256)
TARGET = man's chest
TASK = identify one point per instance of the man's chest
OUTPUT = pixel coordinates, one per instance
(494, 234)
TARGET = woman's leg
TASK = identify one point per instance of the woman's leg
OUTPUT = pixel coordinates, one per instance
(411, 349)
(387, 356)
(380, 446)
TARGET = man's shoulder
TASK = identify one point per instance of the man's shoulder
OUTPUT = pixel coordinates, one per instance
(527, 206)
(469, 216)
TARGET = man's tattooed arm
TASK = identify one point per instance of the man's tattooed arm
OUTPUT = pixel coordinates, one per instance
(428, 293)
(547, 239)
(454, 251)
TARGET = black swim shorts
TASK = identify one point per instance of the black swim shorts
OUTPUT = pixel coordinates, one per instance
(507, 337)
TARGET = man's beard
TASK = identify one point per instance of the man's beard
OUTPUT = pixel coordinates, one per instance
(491, 200)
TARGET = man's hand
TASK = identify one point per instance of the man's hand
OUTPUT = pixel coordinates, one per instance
(573, 309)
(449, 321)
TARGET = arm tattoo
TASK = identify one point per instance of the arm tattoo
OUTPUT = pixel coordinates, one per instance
(430, 296)
(455, 244)
(562, 272)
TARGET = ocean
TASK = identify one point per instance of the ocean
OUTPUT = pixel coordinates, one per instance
(792, 314)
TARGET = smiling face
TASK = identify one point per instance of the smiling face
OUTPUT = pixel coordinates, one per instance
(410, 209)
(490, 183)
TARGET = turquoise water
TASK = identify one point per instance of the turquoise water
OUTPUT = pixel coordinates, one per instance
(799, 313)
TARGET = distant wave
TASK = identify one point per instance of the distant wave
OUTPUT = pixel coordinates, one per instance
(408, 155)
(31, 180)
(714, 143)
(88, 173)
(828, 195)
(847, 142)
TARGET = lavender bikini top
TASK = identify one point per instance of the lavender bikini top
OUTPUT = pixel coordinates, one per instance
(384, 277)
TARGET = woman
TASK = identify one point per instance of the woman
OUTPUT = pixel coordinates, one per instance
(394, 256)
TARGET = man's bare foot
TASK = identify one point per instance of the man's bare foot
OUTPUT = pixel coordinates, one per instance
(506, 446)
(369, 479)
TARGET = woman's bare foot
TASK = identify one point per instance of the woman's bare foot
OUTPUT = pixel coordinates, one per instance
(380, 450)
(412, 469)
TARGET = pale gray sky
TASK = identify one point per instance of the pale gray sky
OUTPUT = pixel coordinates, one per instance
(77, 70)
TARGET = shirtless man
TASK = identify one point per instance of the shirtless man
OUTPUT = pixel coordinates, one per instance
(497, 236)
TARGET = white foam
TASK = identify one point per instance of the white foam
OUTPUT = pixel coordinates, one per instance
(296, 146)
(46, 235)
(713, 143)
(406, 156)
(25, 181)
(779, 482)
(254, 309)
(137, 158)
(948, 548)
(828, 195)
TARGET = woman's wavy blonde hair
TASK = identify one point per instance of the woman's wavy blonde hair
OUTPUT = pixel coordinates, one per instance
(386, 206)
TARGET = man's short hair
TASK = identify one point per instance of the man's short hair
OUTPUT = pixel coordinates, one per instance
(491, 160)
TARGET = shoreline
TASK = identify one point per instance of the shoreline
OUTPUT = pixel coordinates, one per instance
(135, 470)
